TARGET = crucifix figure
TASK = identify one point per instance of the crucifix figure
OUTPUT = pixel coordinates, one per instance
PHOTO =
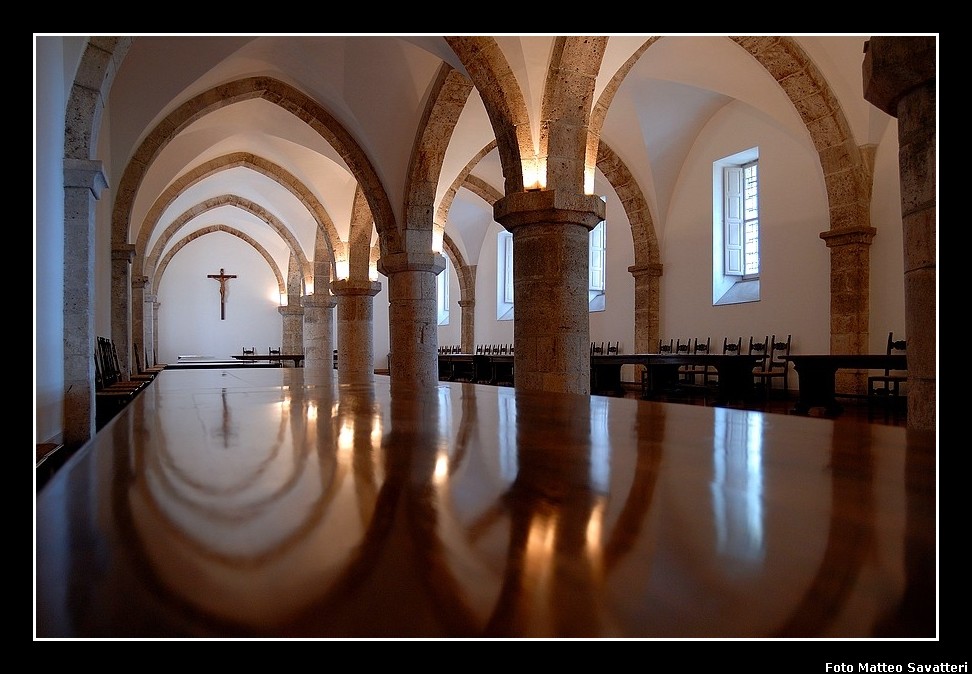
(222, 277)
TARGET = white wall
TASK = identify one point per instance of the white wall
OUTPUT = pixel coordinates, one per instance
(51, 101)
(189, 314)
(794, 260)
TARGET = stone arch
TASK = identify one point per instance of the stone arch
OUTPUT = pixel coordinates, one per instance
(217, 202)
(359, 238)
(450, 92)
(234, 160)
(568, 99)
(84, 181)
(274, 91)
(647, 268)
(492, 76)
(189, 238)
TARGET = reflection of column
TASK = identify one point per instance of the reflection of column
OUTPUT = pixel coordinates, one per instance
(355, 327)
(551, 327)
(413, 318)
(318, 340)
(899, 78)
(292, 316)
(552, 501)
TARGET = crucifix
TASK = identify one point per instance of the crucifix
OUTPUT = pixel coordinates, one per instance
(222, 277)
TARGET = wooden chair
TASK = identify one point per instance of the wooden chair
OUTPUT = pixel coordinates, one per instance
(775, 366)
(249, 352)
(728, 349)
(664, 349)
(614, 348)
(597, 349)
(274, 352)
(152, 369)
(884, 390)
(696, 376)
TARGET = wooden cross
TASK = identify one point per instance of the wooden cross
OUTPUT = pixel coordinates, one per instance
(222, 277)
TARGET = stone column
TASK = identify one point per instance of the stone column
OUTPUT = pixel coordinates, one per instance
(551, 326)
(467, 325)
(148, 341)
(121, 303)
(899, 78)
(292, 316)
(153, 359)
(139, 334)
(850, 282)
(84, 181)
(412, 318)
(355, 328)
(318, 340)
(647, 290)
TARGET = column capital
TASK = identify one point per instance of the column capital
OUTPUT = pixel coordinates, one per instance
(847, 236)
(548, 207)
(139, 282)
(638, 271)
(124, 252)
(88, 173)
(894, 65)
(290, 310)
(398, 262)
(344, 287)
(467, 303)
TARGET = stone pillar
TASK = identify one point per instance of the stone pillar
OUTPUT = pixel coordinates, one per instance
(647, 293)
(412, 318)
(153, 359)
(292, 341)
(551, 326)
(121, 303)
(355, 328)
(84, 181)
(467, 326)
(318, 340)
(899, 78)
(148, 343)
(139, 334)
(850, 282)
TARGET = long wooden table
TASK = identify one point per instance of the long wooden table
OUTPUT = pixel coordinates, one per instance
(477, 367)
(735, 372)
(297, 358)
(817, 374)
(275, 503)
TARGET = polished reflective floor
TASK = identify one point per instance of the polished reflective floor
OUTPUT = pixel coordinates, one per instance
(274, 503)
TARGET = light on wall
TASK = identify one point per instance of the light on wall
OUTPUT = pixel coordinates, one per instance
(283, 299)
(588, 180)
(534, 173)
(342, 268)
(373, 270)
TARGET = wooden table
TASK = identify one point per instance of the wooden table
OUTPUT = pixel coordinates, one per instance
(735, 372)
(297, 358)
(477, 367)
(275, 503)
(817, 374)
